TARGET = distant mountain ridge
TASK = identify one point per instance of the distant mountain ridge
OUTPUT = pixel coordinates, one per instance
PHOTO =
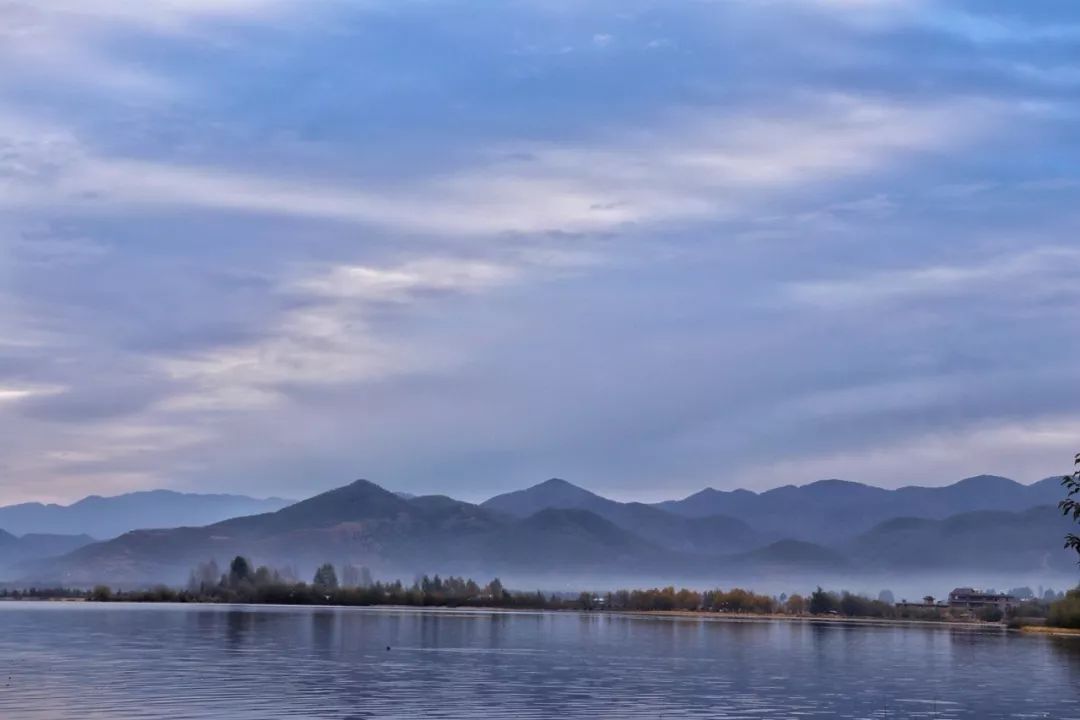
(828, 510)
(363, 524)
(106, 517)
(17, 550)
(709, 534)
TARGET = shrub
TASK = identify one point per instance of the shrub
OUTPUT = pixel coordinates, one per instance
(1066, 612)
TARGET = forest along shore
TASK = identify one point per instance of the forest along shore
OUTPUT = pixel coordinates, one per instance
(243, 583)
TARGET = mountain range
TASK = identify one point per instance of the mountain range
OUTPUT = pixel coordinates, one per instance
(107, 517)
(17, 550)
(984, 523)
(828, 510)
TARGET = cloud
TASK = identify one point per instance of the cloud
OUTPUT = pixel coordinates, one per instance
(69, 41)
(696, 168)
(1027, 451)
(241, 245)
(1037, 270)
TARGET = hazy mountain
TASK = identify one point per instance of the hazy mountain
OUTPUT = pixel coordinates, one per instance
(553, 493)
(364, 524)
(106, 517)
(992, 539)
(16, 550)
(711, 535)
(795, 554)
(830, 510)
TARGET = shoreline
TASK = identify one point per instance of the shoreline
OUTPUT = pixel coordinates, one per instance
(633, 614)
(814, 619)
(1051, 631)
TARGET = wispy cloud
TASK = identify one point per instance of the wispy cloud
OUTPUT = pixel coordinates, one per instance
(260, 243)
(694, 168)
(1038, 270)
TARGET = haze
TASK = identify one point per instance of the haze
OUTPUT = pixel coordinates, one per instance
(261, 247)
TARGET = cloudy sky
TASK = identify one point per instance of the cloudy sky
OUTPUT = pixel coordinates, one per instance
(270, 246)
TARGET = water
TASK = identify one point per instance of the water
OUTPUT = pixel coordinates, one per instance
(60, 660)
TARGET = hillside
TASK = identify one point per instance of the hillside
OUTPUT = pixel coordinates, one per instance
(35, 546)
(716, 534)
(984, 539)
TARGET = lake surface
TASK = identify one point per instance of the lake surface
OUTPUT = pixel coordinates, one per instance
(62, 660)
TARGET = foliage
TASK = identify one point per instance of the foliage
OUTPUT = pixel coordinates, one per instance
(325, 577)
(1065, 612)
(239, 571)
(1070, 506)
(822, 602)
(36, 593)
(990, 614)
(795, 605)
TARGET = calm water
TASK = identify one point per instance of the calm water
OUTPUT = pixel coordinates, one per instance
(154, 661)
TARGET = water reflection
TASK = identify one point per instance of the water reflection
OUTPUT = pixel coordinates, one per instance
(197, 662)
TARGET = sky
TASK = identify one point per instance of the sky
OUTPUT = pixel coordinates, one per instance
(272, 246)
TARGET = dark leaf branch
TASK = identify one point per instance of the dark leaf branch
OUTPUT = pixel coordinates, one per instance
(1070, 506)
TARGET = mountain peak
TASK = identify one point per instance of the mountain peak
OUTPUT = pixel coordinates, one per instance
(996, 480)
(553, 493)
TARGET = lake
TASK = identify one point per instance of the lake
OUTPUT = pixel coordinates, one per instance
(85, 660)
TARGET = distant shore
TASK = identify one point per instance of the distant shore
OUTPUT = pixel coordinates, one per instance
(817, 619)
(1050, 630)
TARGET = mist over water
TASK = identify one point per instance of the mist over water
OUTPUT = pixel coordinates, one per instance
(913, 585)
(125, 662)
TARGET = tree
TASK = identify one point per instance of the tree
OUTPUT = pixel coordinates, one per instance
(886, 596)
(1066, 612)
(796, 604)
(822, 602)
(325, 577)
(239, 570)
(1071, 504)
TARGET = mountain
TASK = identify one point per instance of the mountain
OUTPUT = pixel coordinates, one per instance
(710, 535)
(553, 493)
(106, 517)
(364, 524)
(16, 550)
(984, 539)
(830, 510)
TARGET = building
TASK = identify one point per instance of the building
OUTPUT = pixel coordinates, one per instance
(971, 599)
(928, 603)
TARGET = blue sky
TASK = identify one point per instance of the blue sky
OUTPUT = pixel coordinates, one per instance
(269, 246)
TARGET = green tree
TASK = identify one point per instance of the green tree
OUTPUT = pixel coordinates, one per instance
(1071, 504)
(325, 577)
